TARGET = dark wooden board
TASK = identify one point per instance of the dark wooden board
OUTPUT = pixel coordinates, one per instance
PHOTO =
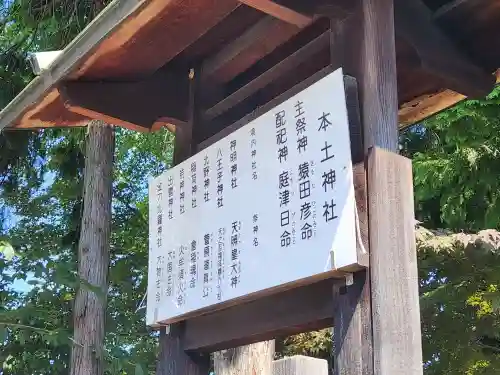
(297, 310)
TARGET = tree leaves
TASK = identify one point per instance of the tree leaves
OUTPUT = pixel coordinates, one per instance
(456, 160)
(46, 232)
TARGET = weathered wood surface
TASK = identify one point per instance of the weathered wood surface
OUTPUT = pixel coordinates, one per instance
(184, 144)
(300, 365)
(255, 43)
(377, 74)
(395, 302)
(350, 321)
(279, 11)
(89, 312)
(251, 359)
(173, 360)
(130, 40)
(436, 52)
(132, 105)
(151, 36)
(293, 311)
(267, 77)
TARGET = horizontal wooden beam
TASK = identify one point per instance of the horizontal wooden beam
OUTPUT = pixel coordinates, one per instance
(254, 44)
(279, 11)
(155, 33)
(427, 105)
(142, 105)
(294, 11)
(438, 56)
(289, 63)
(297, 310)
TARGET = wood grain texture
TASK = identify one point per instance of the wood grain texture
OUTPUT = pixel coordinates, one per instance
(377, 74)
(279, 11)
(253, 359)
(364, 45)
(238, 55)
(427, 105)
(173, 360)
(267, 77)
(300, 365)
(138, 104)
(89, 313)
(351, 349)
(292, 311)
(393, 263)
(436, 52)
(154, 34)
(184, 147)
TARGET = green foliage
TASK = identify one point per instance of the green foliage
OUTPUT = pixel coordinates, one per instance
(456, 166)
(456, 161)
(459, 283)
(46, 209)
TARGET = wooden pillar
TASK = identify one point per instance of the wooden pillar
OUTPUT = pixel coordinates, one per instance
(397, 341)
(172, 359)
(300, 365)
(377, 326)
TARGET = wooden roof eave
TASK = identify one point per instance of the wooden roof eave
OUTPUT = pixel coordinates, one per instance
(104, 59)
(97, 54)
(42, 90)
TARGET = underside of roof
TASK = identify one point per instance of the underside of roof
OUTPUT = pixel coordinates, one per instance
(132, 65)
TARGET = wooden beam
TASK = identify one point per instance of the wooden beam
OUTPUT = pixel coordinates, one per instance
(294, 11)
(395, 299)
(279, 11)
(293, 311)
(155, 33)
(254, 44)
(430, 104)
(427, 105)
(437, 54)
(141, 104)
(184, 146)
(267, 77)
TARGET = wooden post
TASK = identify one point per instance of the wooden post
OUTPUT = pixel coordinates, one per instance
(395, 301)
(300, 365)
(249, 359)
(380, 311)
(172, 359)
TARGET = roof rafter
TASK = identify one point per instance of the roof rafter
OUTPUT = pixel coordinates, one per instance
(438, 56)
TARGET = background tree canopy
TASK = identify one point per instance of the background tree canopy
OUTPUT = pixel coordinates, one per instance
(456, 164)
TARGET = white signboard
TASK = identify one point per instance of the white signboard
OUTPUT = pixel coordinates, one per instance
(270, 204)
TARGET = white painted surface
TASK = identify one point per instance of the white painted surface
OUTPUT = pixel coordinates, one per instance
(247, 248)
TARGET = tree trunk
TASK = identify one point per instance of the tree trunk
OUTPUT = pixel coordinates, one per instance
(87, 357)
(254, 359)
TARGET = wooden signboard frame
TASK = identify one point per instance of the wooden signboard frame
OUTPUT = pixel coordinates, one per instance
(371, 335)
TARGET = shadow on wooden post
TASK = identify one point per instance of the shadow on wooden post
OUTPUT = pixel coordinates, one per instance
(173, 360)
